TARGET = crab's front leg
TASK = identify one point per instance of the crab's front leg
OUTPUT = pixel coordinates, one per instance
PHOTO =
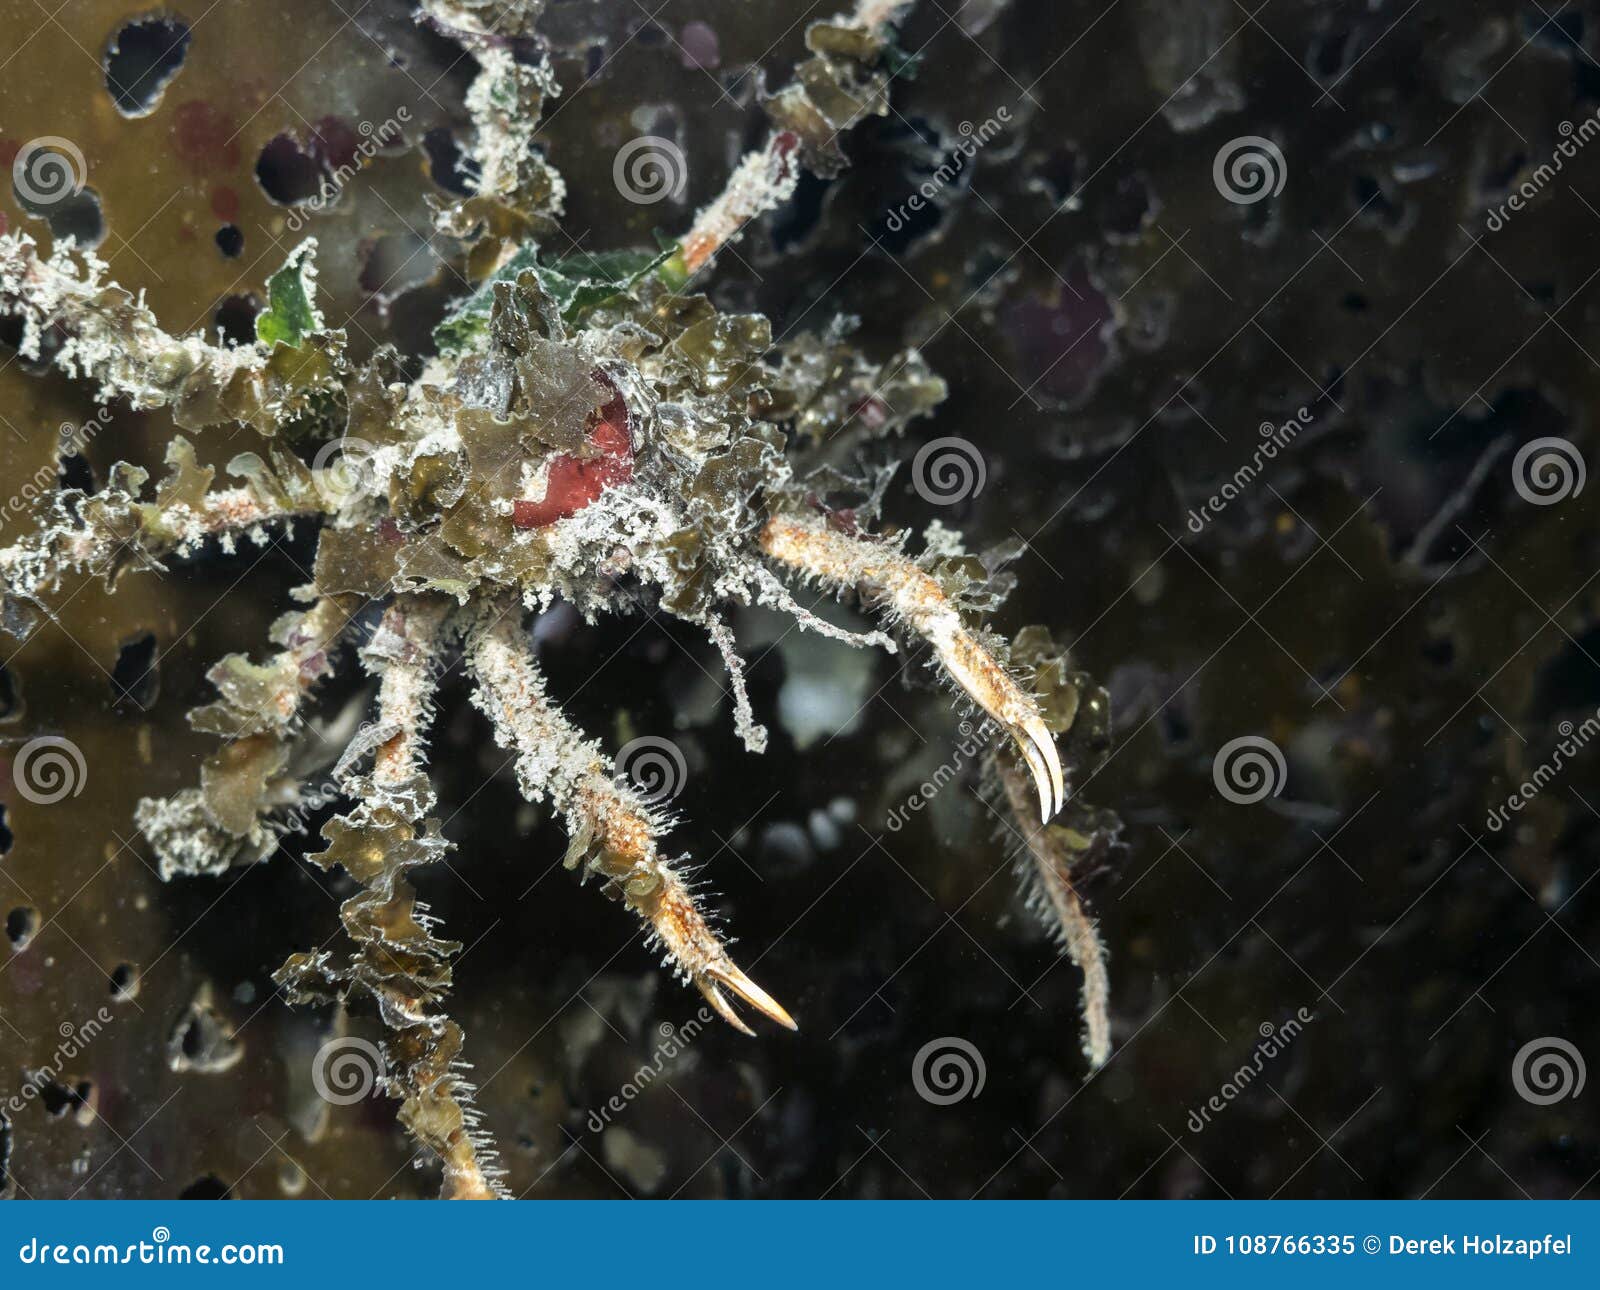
(612, 830)
(912, 596)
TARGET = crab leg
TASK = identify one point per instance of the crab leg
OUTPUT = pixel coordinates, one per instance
(99, 541)
(1048, 871)
(404, 655)
(913, 596)
(107, 335)
(612, 828)
(766, 177)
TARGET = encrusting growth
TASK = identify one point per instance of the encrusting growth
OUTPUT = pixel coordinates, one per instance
(589, 431)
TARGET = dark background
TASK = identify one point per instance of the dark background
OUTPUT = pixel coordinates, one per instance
(1382, 604)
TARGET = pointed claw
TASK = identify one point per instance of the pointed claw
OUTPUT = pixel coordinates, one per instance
(1037, 768)
(723, 1008)
(1045, 746)
(731, 976)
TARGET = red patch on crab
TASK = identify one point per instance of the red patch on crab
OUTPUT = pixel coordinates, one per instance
(783, 145)
(574, 482)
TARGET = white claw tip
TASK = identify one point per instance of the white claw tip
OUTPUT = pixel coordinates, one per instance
(1038, 749)
(727, 974)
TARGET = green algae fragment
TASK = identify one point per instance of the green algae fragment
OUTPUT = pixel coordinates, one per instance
(575, 284)
(290, 316)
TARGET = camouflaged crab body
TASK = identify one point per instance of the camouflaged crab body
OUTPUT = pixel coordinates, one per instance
(589, 431)
(640, 452)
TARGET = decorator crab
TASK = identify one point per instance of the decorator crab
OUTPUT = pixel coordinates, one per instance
(591, 429)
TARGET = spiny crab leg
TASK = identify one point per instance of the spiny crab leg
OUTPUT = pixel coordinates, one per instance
(614, 831)
(841, 561)
(1047, 867)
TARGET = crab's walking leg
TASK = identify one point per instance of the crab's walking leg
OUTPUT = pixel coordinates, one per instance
(1049, 876)
(108, 336)
(914, 597)
(113, 529)
(765, 178)
(608, 823)
(403, 654)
